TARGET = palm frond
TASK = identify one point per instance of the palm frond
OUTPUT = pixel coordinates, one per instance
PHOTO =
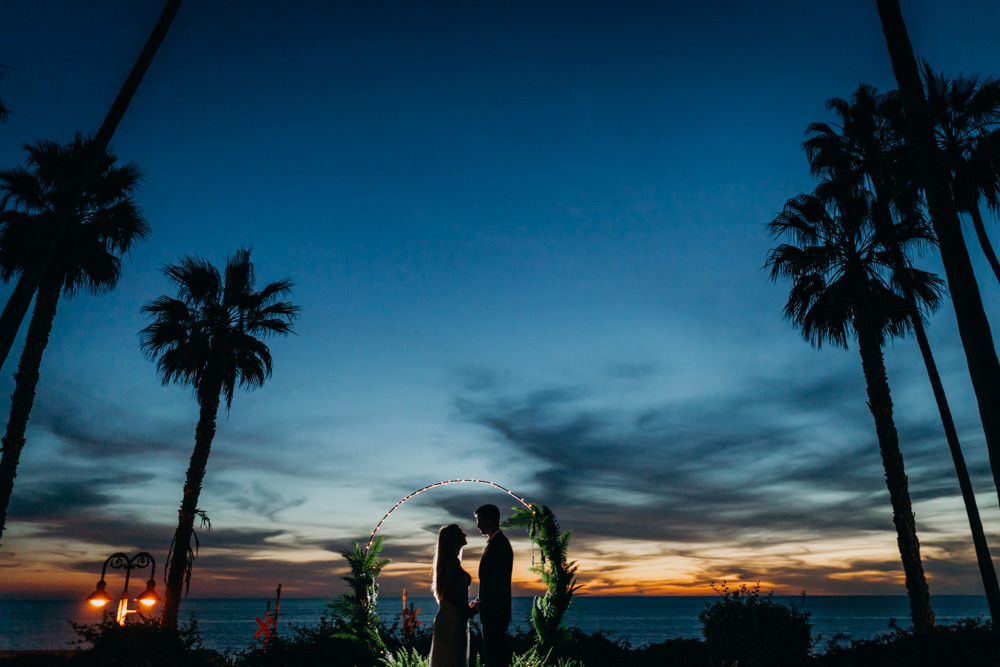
(105, 224)
(214, 327)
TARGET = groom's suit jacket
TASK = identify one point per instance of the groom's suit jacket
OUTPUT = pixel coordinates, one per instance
(494, 581)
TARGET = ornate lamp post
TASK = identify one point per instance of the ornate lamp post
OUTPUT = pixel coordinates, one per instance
(120, 561)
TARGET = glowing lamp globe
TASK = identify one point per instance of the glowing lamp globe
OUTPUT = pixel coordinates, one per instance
(99, 597)
(149, 596)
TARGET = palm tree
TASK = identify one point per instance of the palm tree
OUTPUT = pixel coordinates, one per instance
(839, 273)
(103, 225)
(973, 325)
(866, 150)
(209, 338)
(965, 113)
(27, 284)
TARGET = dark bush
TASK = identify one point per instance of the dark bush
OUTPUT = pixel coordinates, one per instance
(47, 658)
(594, 649)
(322, 644)
(969, 643)
(141, 644)
(671, 653)
(746, 628)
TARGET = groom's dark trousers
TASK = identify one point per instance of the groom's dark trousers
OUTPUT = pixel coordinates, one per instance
(494, 599)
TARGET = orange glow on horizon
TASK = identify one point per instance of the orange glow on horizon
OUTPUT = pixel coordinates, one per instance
(607, 567)
(645, 581)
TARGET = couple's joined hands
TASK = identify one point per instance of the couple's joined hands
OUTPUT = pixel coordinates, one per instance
(473, 607)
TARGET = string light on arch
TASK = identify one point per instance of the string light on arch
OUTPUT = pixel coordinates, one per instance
(444, 483)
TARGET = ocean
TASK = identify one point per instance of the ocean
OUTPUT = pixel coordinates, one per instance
(230, 624)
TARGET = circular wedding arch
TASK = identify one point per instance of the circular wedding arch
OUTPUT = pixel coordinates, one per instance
(444, 483)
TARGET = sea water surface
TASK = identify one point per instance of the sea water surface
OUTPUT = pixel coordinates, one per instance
(641, 620)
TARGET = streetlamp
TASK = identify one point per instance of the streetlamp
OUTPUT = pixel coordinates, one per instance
(120, 561)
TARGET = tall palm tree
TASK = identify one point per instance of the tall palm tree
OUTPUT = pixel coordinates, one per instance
(839, 273)
(210, 338)
(27, 284)
(866, 149)
(103, 225)
(965, 113)
(973, 325)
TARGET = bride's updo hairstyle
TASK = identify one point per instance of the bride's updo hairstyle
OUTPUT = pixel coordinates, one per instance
(448, 549)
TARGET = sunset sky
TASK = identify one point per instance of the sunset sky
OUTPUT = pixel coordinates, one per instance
(528, 241)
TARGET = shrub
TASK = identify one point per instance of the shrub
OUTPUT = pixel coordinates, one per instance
(969, 643)
(142, 644)
(752, 630)
(671, 653)
(322, 644)
(405, 658)
(534, 657)
(592, 649)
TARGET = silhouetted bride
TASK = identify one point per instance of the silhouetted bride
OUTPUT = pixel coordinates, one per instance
(450, 642)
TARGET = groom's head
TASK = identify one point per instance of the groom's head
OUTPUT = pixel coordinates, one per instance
(488, 519)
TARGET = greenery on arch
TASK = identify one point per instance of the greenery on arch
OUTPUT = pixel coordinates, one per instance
(558, 573)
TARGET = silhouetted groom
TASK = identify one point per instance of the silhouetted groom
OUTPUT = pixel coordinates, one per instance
(494, 587)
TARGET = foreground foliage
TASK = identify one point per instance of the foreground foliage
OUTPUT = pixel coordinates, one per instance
(558, 573)
(356, 617)
(746, 628)
(145, 643)
(969, 643)
(323, 644)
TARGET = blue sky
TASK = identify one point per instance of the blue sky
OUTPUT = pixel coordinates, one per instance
(528, 242)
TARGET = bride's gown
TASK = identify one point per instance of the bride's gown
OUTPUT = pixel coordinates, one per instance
(450, 642)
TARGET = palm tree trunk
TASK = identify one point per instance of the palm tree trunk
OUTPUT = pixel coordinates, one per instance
(178, 565)
(984, 239)
(25, 382)
(20, 298)
(986, 569)
(880, 404)
(886, 228)
(973, 326)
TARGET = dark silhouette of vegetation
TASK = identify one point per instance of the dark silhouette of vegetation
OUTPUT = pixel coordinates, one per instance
(356, 616)
(973, 325)
(746, 628)
(866, 150)
(557, 571)
(966, 113)
(209, 338)
(321, 644)
(30, 279)
(142, 644)
(103, 225)
(841, 278)
(969, 643)
(192, 550)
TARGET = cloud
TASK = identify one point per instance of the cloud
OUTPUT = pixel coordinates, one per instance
(58, 500)
(91, 425)
(257, 499)
(784, 464)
